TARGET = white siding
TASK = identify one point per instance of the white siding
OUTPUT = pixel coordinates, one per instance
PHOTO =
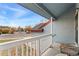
(64, 28)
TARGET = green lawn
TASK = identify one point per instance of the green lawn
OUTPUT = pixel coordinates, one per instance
(2, 41)
(7, 40)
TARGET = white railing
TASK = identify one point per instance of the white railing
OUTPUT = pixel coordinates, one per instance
(29, 46)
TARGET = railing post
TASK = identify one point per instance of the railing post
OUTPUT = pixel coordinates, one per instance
(51, 25)
(51, 30)
(38, 48)
(17, 46)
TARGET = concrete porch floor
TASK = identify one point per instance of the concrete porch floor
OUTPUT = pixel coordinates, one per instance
(53, 52)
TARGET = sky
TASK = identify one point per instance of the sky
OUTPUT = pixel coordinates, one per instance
(12, 14)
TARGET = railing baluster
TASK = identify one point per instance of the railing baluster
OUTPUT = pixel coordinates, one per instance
(35, 48)
(38, 47)
(27, 49)
(16, 50)
(22, 48)
(0, 52)
(30, 49)
(19, 47)
(36, 51)
(9, 52)
(19, 50)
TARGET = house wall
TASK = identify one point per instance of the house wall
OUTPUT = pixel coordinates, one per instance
(46, 41)
(64, 28)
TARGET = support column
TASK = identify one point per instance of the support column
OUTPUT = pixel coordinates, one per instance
(78, 27)
(51, 31)
(77, 14)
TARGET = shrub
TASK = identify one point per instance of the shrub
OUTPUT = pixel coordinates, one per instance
(5, 31)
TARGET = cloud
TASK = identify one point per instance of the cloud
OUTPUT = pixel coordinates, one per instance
(19, 17)
(11, 8)
(3, 20)
(18, 11)
(18, 14)
(2, 17)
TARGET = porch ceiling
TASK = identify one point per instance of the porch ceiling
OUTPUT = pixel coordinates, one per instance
(48, 10)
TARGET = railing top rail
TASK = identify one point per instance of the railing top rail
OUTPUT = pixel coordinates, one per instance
(10, 44)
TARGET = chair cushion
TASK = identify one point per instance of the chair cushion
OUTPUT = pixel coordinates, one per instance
(69, 51)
